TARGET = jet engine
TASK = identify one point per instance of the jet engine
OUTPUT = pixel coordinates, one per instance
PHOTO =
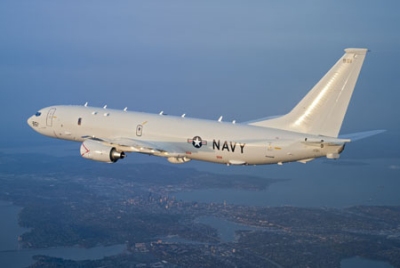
(95, 150)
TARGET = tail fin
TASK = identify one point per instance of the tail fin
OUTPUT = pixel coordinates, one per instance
(322, 110)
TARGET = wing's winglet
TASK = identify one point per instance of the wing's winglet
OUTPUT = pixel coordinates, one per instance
(362, 135)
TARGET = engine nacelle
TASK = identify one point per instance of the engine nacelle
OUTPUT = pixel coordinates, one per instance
(95, 150)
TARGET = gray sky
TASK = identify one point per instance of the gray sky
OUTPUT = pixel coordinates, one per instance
(240, 59)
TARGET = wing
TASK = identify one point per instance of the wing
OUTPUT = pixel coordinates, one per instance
(158, 148)
(361, 135)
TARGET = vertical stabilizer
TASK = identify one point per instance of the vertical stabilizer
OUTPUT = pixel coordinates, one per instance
(322, 110)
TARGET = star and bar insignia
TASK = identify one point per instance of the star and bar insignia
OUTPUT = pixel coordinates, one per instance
(197, 142)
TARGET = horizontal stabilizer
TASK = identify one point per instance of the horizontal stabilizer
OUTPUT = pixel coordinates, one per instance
(326, 142)
(361, 135)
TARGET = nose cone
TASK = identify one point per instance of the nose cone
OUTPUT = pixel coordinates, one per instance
(33, 122)
(29, 121)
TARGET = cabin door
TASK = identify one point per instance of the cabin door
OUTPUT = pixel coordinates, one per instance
(50, 115)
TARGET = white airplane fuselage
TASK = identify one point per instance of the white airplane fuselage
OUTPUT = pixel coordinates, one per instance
(221, 142)
(310, 130)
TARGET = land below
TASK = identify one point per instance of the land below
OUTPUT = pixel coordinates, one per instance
(73, 202)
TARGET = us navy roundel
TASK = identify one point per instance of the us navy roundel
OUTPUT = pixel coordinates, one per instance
(197, 142)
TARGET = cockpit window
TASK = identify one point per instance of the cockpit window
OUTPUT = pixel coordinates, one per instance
(38, 113)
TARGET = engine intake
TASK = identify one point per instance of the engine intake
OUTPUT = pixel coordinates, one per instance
(97, 151)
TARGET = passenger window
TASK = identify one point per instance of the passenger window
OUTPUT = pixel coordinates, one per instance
(79, 121)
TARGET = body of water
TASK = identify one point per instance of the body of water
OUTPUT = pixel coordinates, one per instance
(9, 228)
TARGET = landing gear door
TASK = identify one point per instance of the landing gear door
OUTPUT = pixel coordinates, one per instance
(50, 115)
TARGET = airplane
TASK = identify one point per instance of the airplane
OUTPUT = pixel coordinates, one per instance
(310, 130)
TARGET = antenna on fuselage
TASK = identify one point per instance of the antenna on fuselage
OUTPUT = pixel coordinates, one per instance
(125, 109)
(183, 115)
(220, 118)
(86, 103)
(161, 113)
(105, 106)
